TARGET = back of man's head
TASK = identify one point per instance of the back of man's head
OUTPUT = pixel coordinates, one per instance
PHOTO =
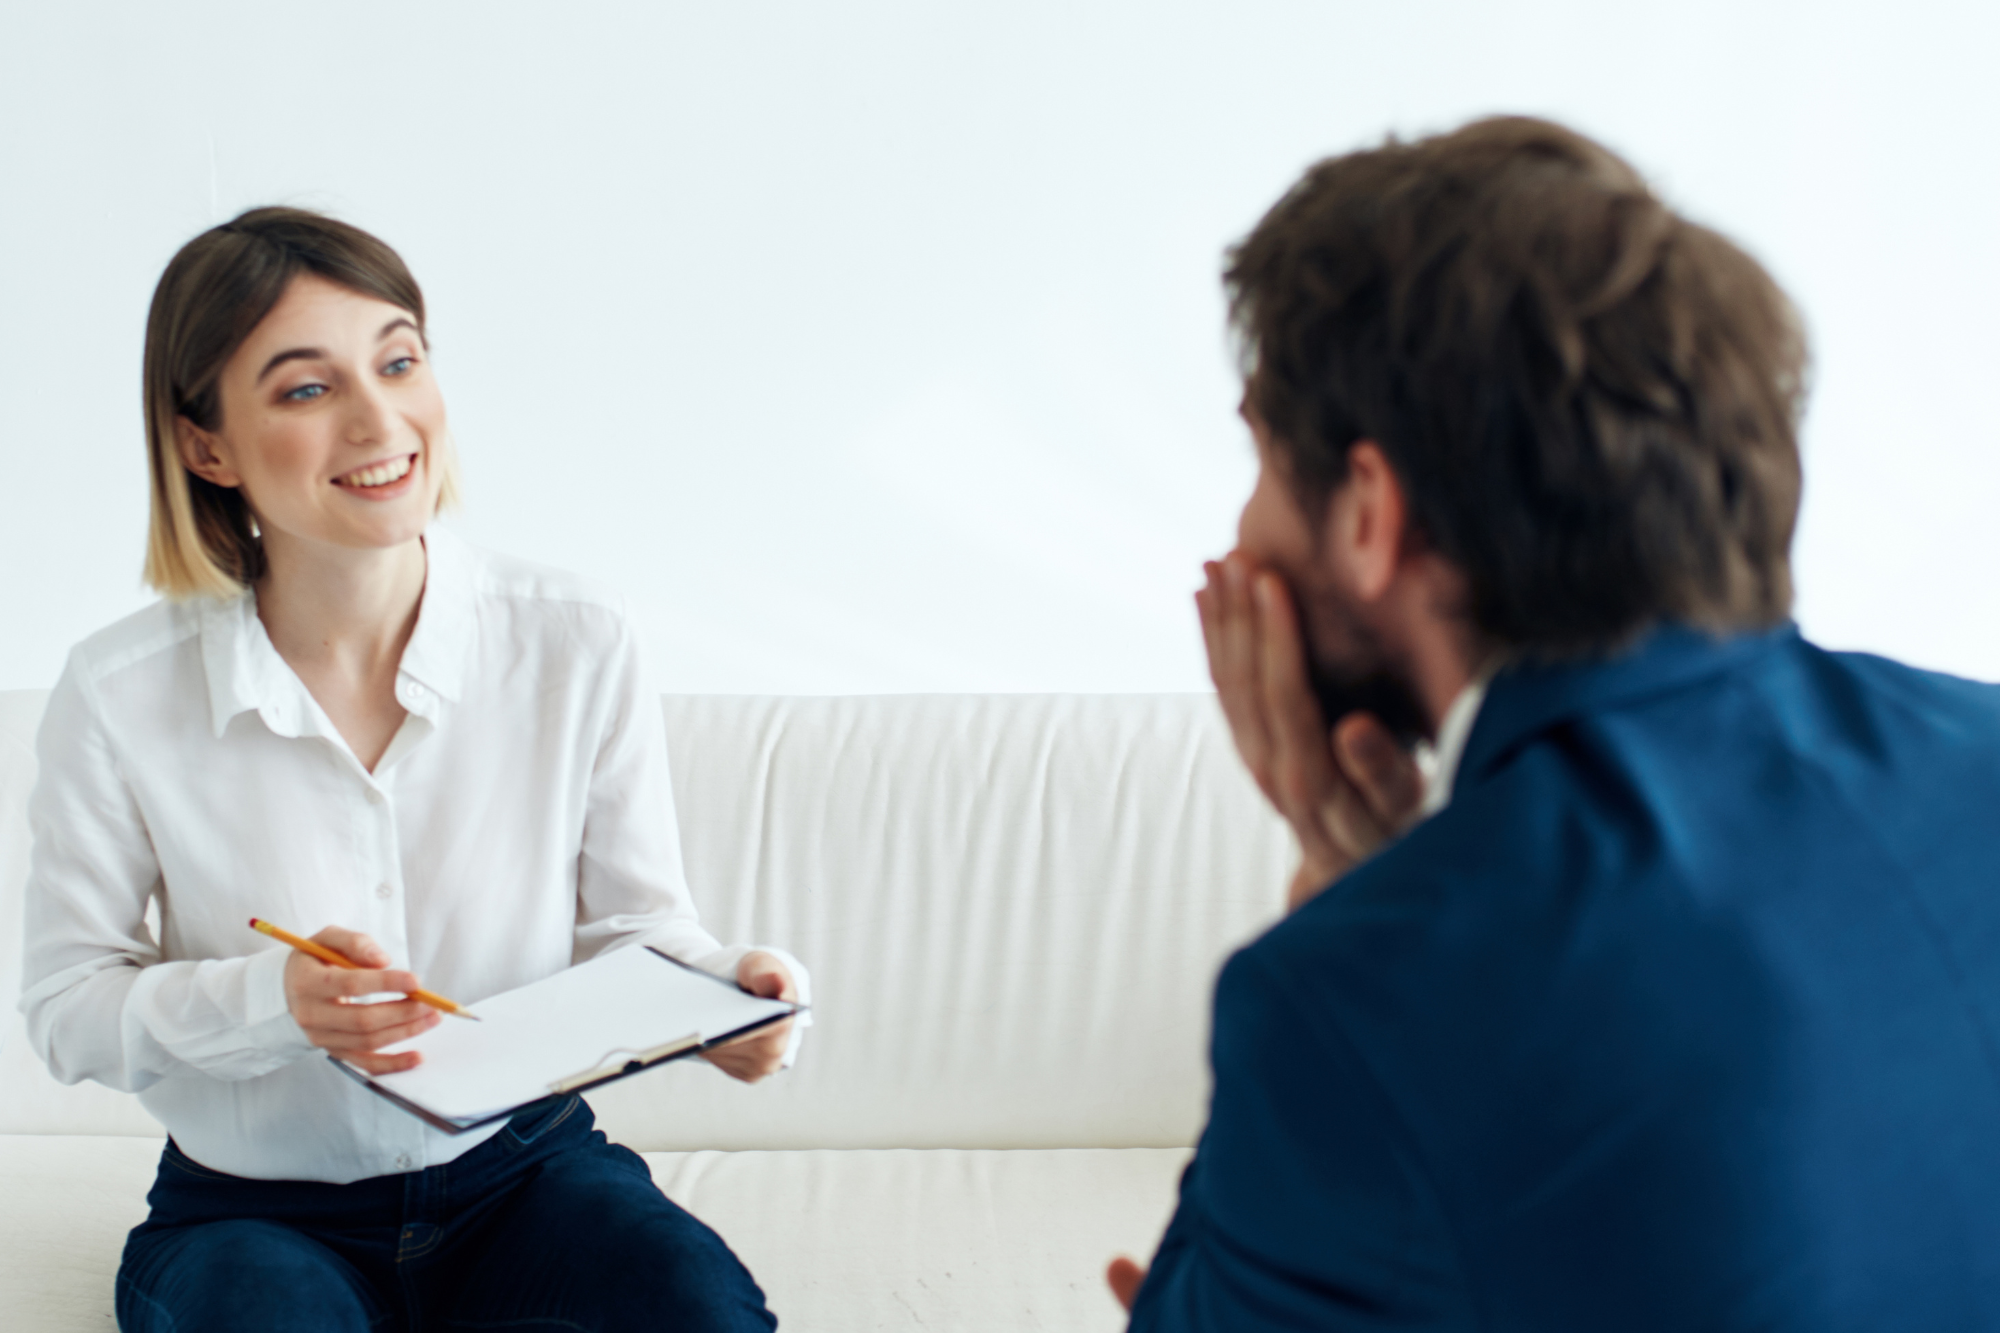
(1590, 402)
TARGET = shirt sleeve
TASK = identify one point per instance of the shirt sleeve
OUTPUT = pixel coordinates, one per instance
(1305, 1205)
(631, 883)
(99, 1001)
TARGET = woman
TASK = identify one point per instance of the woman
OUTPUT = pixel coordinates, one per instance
(344, 720)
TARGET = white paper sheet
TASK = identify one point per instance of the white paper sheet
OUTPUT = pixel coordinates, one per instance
(599, 1014)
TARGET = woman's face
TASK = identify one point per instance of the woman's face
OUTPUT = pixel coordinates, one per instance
(331, 424)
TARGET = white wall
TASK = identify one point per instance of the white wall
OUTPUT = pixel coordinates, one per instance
(875, 346)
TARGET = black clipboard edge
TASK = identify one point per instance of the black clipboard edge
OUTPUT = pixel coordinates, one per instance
(630, 1067)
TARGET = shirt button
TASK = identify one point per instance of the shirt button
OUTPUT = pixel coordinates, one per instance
(384, 890)
(402, 1161)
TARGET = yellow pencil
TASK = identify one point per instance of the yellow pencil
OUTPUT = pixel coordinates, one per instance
(332, 959)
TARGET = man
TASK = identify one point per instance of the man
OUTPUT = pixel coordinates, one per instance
(1671, 998)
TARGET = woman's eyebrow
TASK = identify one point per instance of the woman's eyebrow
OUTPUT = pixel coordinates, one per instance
(319, 353)
(294, 354)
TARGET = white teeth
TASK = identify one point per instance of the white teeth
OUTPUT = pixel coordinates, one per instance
(381, 474)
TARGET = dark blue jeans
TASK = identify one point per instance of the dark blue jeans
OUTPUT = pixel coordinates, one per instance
(547, 1225)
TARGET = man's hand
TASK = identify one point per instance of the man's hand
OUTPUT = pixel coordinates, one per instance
(321, 998)
(1125, 1278)
(757, 1054)
(1345, 792)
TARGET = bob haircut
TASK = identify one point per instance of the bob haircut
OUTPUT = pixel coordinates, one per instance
(1591, 402)
(203, 540)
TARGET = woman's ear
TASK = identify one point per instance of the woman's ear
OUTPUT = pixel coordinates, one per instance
(198, 454)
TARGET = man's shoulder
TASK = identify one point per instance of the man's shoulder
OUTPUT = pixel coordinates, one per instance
(1926, 701)
(1664, 849)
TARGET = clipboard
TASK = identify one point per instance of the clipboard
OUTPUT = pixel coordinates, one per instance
(623, 1012)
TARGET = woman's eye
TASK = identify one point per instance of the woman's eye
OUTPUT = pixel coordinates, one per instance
(400, 366)
(305, 393)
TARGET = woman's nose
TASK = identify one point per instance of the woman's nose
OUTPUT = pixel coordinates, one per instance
(369, 418)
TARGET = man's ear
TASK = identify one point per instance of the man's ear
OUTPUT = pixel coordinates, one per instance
(197, 450)
(1367, 517)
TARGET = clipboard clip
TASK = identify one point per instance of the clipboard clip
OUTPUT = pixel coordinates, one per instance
(611, 1066)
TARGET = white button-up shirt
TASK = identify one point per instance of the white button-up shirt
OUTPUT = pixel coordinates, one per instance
(521, 820)
(1439, 761)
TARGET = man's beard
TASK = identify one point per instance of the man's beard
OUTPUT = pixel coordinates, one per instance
(1365, 682)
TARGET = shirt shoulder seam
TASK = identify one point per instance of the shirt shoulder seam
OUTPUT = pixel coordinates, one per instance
(94, 664)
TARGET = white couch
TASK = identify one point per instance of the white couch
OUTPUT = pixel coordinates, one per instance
(1014, 907)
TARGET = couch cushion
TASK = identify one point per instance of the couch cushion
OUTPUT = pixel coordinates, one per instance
(842, 1242)
(1014, 906)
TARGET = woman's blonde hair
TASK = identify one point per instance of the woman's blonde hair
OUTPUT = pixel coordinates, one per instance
(203, 539)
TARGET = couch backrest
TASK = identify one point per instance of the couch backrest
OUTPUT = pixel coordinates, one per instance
(1013, 905)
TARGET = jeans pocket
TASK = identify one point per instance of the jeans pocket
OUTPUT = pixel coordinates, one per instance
(533, 1122)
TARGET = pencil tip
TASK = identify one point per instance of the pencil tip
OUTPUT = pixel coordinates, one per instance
(467, 1013)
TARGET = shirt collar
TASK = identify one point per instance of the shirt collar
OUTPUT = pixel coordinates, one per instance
(245, 673)
(1453, 731)
(1526, 699)
(436, 653)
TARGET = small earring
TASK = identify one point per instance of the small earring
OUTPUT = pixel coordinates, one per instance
(256, 529)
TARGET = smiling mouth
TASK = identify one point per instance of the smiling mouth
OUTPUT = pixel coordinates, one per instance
(385, 473)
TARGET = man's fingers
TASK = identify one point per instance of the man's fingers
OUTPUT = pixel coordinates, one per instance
(1382, 772)
(1125, 1278)
(1301, 764)
(1233, 662)
(1205, 610)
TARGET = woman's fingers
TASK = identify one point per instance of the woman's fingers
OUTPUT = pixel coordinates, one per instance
(327, 1003)
(370, 1063)
(342, 982)
(763, 975)
(353, 946)
(753, 1057)
(362, 1020)
(342, 1040)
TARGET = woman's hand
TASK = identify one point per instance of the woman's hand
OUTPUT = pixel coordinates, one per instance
(757, 1054)
(1345, 791)
(322, 1003)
